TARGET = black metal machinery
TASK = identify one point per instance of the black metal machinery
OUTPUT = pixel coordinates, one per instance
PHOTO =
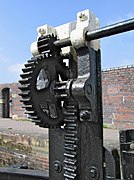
(67, 99)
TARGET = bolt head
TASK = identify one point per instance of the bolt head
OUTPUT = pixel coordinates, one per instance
(93, 173)
(85, 115)
(42, 31)
(57, 166)
(83, 17)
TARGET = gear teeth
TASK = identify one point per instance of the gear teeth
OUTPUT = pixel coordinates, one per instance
(29, 76)
(70, 161)
(43, 44)
(30, 112)
(25, 81)
(26, 100)
(25, 90)
(24, 87)
(70, 140)
(28, 107)
(30, 64)
(26, 75)
(70, 168)
(34, 118)
(28, 69)
(24, 93)
(45, 40)
(71, 126)
(69, 120)
(32, 60)
(45, 47)
(60, 90)
(70, 146)
(70, 176)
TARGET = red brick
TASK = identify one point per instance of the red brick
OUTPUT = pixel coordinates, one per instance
(118, 97)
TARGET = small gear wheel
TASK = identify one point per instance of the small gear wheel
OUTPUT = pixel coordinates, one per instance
(46, 44)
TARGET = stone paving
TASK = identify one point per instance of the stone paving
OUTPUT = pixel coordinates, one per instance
(111, 136)
(8, 125)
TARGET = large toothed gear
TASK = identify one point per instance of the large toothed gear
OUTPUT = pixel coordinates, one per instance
(37, 85)
(37, 93)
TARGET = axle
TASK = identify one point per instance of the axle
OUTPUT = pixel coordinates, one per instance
(113, 29)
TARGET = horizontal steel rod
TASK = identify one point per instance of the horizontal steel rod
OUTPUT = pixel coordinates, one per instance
(110, 30)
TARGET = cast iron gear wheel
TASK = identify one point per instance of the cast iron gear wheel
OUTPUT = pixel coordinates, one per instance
(37, 92)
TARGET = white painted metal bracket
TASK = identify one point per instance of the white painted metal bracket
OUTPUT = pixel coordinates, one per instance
(86, 21)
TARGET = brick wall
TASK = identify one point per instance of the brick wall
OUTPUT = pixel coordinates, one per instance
(118, 97)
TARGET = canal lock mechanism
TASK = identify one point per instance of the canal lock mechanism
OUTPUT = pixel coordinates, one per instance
(61, 90)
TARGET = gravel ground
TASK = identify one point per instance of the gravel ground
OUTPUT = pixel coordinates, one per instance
(111, 136)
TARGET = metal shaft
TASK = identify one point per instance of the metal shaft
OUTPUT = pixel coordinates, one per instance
(113, 29)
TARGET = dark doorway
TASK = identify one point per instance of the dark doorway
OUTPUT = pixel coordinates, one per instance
(6, 103)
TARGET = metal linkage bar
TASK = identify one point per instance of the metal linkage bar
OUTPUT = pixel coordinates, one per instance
(113, 29)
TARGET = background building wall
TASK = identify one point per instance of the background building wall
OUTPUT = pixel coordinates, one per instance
(118, 97)
(16, 110)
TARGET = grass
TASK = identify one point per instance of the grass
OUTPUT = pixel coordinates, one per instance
(15, 146)
(107, 126)
(20, 119)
